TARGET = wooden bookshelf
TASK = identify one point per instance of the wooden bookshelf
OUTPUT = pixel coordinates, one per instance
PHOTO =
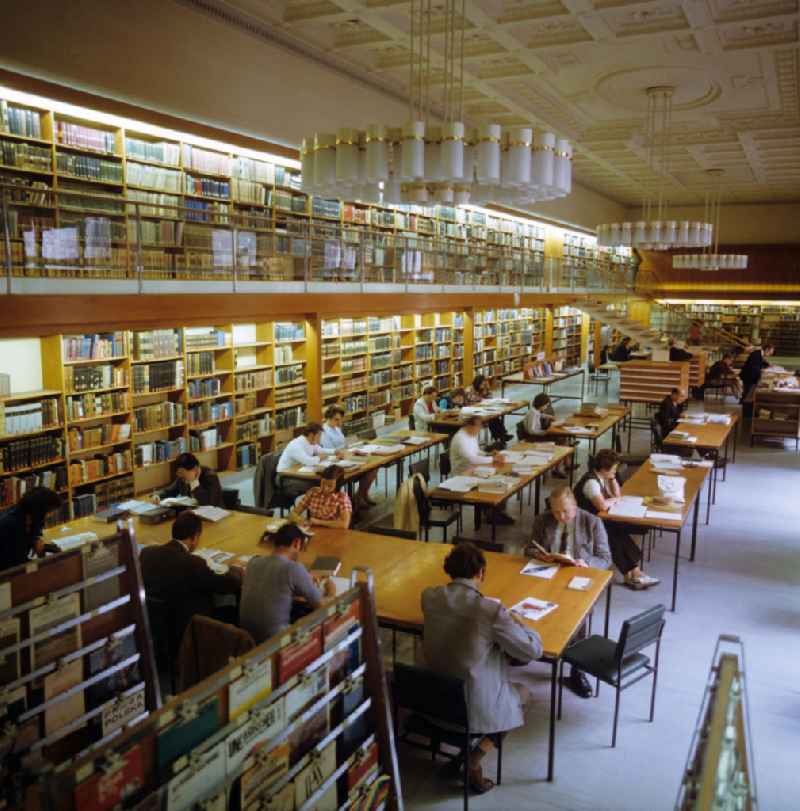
(505, 338)
(650, 381)
(569, 336)
(776, 413)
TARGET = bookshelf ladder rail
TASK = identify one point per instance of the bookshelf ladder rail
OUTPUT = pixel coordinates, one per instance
(7, 240)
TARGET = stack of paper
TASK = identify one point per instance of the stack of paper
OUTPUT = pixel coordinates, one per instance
(532, 609)
(415, 440)
(73, 541)
(512, 457)
(578, 429)
(497, 484)
(535, 568)
(629, 507)
(179, 501)
(536, 459)
(672, 486)
(459, 484)
(483, 472)
(135, 506)
(387, 450)
(210, 513)
(496, 401)
(665, 461)
(720, 419)
(693, 419)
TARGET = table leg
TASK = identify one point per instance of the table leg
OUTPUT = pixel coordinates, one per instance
(399, 474)
(630, 429)
(725, 458)
(571, 467)
(551, 749)
(735, 442)
(716, 476)
(694, 527)
(710, 487)
(608, 609)
(583, 383)
(675, 570)
(537, 498)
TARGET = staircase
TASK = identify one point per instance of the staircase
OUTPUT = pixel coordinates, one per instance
(610, 314)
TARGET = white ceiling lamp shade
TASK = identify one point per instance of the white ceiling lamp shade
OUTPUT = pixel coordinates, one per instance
(655, 231)
(436, 157)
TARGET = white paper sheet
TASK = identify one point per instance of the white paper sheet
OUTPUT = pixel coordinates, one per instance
(629, 507)
(535, 568)
(657, 515)
(210, 513)
(532, 609)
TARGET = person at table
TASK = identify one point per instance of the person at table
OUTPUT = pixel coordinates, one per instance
(22, 525)
(303, 451)
(599, 490)
(695, 336)
(333, 439)
(183, 580)
(466, 453)
(566, 529)
(534, 429)
(273, 584)
(425, 409)
(476, 639)
(194, 481)
(327, 504)
(622, 352)
(676, 352)
(755, 364)
(670, 411)
(722, 373)
(453, 401)
(481, 389)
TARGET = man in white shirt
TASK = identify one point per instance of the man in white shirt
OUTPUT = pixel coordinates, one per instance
(425, 409)
(302, 450)
(466, 453)
(333, 439)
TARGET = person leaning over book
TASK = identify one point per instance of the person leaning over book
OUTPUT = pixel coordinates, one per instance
(622, 352)
(22, 525)
(670, 411)
(333, 439)
(193, 480)
(327, 504)
(452, 401)
(481, 390)
(303, 450)
(753, 367)
(478, 640)
(273, 583)
(183, 580)
(599, 490)
(722, 373)
(425, 409)
(676, 352)
(565, 529)
(534, 429)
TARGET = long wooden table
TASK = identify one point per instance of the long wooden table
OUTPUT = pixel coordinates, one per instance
(450, 421)
(644, 483)
(598, 426)
(519, 379)
(493, 501)
(713, 438)
(401, 569)
(376, 461)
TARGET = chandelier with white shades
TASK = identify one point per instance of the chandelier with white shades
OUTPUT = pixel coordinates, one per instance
(655, 231)
(708, 260)
(437, 158)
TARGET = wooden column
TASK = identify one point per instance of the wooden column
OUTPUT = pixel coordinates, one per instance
(469, 346)
(585, 338)
(598, 341)
(314, 367)
(548, 331)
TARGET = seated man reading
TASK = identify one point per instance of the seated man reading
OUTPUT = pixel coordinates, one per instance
(303, 451)
(333, 439)
(193, 480)
(327, 504)
(478, 640)
(670, 411)
(534, 429)
(722, 373)
(273, 582)
(567, 530)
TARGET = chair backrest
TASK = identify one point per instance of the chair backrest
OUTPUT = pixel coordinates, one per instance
(230, 498)
(412, 426)
(640, 631)
(487, 546)
(423, 467)
(164, 628)
(393, 533)
(264, 480)
(423, 691)
(591, 367)
(370, 433)
(423, 503)
(521, 430)
(656, 435)
(445, 467)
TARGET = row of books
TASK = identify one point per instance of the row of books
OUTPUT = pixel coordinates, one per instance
(26, 418)
(201, 413)
(154, 177)
(290, 418)
(13, 488)
(89, 167)
(246, 403)
(159, 232)
(105, 494)
(157, 343)
(94, 347)
(158, 415)
(208, 187)
(246, 455)
(158, 376)
(161, 151)
(289, 331)
(96, 405)
(291, 394)
(91, 378)
(248, 191)
(152, 204)
(254, 380)
(108, 433)
(288, 374)
(254, 429)
(208, 387)
(19, 121)
(203, 160)
(85, 137)
(204, 440)
(161, 450)
(206, 211)
(25, 453)
(201, 338)
(25, 156)
(85, 470)
(201, 363)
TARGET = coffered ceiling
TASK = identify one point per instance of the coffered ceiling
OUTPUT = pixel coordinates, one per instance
(582, 68)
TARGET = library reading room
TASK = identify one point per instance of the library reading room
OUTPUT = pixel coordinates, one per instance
(399, 405)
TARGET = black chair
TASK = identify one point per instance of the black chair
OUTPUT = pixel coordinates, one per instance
(166, 637)
(392, 532)
(423, 467)
(412, 426)
(444, 465)
(230, 498)
(487, 546)
(439, 714)
(430, 516)
(656, 436)
(620, 664)
(266, 493)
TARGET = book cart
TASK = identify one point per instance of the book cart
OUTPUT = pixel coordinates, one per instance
(301, 722)
(76, 659)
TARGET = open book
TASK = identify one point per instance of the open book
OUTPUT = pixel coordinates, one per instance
(552, 557)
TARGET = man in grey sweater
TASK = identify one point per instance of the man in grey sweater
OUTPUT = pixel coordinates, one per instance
(273, 582)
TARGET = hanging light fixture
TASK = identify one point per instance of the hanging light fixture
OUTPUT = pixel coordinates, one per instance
(654, 231)
(708, 260)
(435, 157)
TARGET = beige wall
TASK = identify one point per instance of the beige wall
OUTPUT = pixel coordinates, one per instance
(22, 359)
(746, 224)
(167, 57)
